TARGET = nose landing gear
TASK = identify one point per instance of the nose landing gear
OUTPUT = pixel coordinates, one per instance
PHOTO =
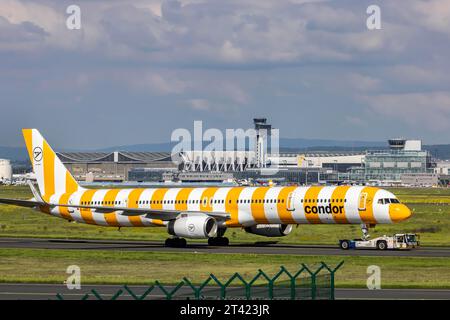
(365, 231)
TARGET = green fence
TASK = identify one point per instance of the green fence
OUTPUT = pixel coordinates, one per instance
(304, 284)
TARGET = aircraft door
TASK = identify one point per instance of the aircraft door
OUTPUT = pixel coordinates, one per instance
(69, 209)
(362, 201)
(290, 203)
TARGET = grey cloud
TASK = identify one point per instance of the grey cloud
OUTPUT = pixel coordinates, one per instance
(22, 33)
(303, 64)
(144, 32)
(431, 109)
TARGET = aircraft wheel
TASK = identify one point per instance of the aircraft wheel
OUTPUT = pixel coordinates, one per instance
(176, 242)
(224, 241)
(218, 241)
(182, 243)
(168, 242)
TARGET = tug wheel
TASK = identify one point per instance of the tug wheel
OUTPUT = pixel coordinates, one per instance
(381, 245)
(345, 244)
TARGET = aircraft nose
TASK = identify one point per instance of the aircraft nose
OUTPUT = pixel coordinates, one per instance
(399, 212)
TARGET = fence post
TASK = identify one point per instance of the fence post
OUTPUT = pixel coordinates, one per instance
(222, 287)
(313, 281)
(171, 293)
(282, 270)
(332, 272)
(292, 284)
(238, 276)
(259, 274)
(295, 276)
(196, 290)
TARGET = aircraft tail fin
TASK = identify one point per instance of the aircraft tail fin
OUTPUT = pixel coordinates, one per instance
(51, 175)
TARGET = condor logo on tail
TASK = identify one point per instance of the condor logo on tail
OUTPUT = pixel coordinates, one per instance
(324, 209)
(37, 152)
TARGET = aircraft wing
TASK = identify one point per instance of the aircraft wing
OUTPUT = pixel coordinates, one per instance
(21, 203)
(158, 214)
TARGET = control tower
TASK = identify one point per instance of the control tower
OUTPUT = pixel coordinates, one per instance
(397, 143)
(263, 130)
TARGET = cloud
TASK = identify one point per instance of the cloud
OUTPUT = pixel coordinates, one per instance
(363, 82)
(20, 36)
(199, 104)
(230, 53)
(430, 110)
(298, 62)
(231, 33)
(414, 74)
(356, 121)
(433, 14)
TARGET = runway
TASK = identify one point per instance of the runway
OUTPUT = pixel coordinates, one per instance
(257, 248)
(19, 291)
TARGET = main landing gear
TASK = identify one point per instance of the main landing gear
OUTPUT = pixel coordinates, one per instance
(175, 242)
(219, 240)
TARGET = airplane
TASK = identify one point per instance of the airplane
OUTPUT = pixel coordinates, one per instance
(206, 212)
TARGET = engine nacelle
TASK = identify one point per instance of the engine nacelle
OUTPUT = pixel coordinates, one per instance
(270, 230)
(193, 226)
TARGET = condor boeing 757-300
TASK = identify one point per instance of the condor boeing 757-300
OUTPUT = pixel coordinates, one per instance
(202, 213)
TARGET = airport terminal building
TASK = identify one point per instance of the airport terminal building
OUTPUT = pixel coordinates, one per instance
(383, 167)
(399, 161)
(115, 166)
(403, 157)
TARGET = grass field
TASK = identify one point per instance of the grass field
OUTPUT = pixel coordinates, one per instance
(115, 267)
(431, 219)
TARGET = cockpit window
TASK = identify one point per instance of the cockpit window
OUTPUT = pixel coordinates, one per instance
(388, 200)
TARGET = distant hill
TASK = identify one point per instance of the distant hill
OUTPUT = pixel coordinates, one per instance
(13, 153)
(441, 151)
(150, 147)
(285, 144)
(320, 143)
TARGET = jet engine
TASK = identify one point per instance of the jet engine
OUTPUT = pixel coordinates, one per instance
(193, 226)
(270, 230)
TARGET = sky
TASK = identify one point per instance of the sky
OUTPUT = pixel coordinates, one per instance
(139, 69)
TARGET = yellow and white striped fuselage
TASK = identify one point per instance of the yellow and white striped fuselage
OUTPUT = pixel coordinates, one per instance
(247, 205)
